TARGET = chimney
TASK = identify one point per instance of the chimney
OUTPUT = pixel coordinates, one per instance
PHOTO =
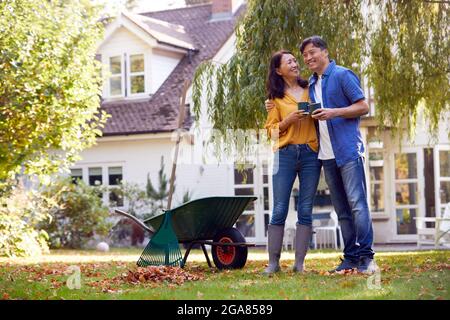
(224, 9)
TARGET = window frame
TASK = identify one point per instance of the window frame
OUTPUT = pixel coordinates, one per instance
(126, 74)
(131, 74)
(105, 179)
(111, 75)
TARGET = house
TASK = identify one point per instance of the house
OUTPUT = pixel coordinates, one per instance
(149, 55)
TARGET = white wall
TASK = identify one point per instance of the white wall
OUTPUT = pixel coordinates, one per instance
(122, 40)
(162, 64)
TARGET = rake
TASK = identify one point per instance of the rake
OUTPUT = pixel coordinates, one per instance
(163, 248)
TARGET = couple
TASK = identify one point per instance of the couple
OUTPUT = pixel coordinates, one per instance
(298, 152)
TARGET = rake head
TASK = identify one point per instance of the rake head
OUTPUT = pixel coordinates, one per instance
(163, 247)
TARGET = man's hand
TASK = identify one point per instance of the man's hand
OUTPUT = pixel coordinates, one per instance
(324, 114)
(269, 105)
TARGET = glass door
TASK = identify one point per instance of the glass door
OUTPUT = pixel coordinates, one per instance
(442, 177)
(254, 180)
(244, 185)
(408, 195)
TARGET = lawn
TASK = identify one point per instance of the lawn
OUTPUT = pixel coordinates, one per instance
(113, 275)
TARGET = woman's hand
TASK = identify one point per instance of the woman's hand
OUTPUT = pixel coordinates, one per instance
(291, 118)
(295, 116)
(269, 105)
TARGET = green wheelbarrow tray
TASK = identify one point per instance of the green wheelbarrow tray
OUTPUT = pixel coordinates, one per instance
(208, 221)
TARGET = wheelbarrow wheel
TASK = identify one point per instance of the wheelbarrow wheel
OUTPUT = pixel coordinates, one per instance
(229, 257)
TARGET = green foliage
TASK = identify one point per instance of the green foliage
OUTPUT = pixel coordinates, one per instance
(21, 211)
(187, 196)
(409, 64)
(138, 203)
(77, 215)
(159, 196)
(50, 84)
(407, 42)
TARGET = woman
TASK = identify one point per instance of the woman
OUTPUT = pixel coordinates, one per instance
(296, 148)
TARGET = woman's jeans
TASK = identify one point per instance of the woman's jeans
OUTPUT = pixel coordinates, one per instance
(290, 161)
(349, 197)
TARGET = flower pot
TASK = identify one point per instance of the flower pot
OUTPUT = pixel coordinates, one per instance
(375, 144)
(376, 163)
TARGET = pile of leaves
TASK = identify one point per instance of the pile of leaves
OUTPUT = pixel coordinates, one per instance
(156, 274)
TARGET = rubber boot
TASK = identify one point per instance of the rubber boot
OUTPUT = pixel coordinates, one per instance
(275, 242)
(302, 239)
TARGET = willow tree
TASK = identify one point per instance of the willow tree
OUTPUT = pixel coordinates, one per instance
(49, 84)
(400, 73)
(409, 62)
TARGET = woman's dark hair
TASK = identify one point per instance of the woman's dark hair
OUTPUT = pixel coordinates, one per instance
(316, 41)
(275, 83)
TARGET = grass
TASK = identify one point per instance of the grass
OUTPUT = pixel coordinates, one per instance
(404, 275)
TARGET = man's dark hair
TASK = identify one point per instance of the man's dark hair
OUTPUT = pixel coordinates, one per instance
(316, 41)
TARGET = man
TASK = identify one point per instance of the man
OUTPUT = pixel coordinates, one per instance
(341, 150)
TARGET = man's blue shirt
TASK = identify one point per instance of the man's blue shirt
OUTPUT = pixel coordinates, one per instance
(341, 88)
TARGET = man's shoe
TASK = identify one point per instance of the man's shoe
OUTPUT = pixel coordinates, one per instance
(346, 264)
(367, 265)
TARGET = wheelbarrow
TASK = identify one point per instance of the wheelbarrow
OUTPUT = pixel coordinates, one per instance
(205, 221)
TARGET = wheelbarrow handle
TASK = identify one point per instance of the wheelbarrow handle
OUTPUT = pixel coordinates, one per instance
(139, 222)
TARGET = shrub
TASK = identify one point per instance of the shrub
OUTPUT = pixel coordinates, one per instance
(78, 215)
(21, 211)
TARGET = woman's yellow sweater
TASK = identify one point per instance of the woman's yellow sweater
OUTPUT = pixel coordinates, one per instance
(300, 132)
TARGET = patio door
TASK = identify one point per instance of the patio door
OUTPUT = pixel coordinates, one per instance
(408, 196)
(253, 222)
(442, 177)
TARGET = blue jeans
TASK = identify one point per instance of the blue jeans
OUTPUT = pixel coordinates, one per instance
(349, 197)
(290, 161)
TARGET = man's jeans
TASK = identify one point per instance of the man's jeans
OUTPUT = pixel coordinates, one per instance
(290, 161)
(349, 197)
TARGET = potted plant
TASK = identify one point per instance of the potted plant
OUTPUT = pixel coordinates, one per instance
(376, 159)
(375, 143)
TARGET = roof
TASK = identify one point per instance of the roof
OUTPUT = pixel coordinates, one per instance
(159, 113)
(162, 31)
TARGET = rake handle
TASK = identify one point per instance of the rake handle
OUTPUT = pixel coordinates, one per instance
(139, 222)
(180, 124)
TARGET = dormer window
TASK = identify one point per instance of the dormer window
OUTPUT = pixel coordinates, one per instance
(126, 75)
(115, 80)
(137, 75)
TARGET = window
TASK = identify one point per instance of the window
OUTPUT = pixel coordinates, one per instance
(244, 186)
(127, 75)
(115, 80)
(137, 77)
(376, 171)
(96, 179)
(114, 179)
(406, 192)
(76, 175)
(107, 179)
(444, 178)
(114, 175)
(95, 176)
